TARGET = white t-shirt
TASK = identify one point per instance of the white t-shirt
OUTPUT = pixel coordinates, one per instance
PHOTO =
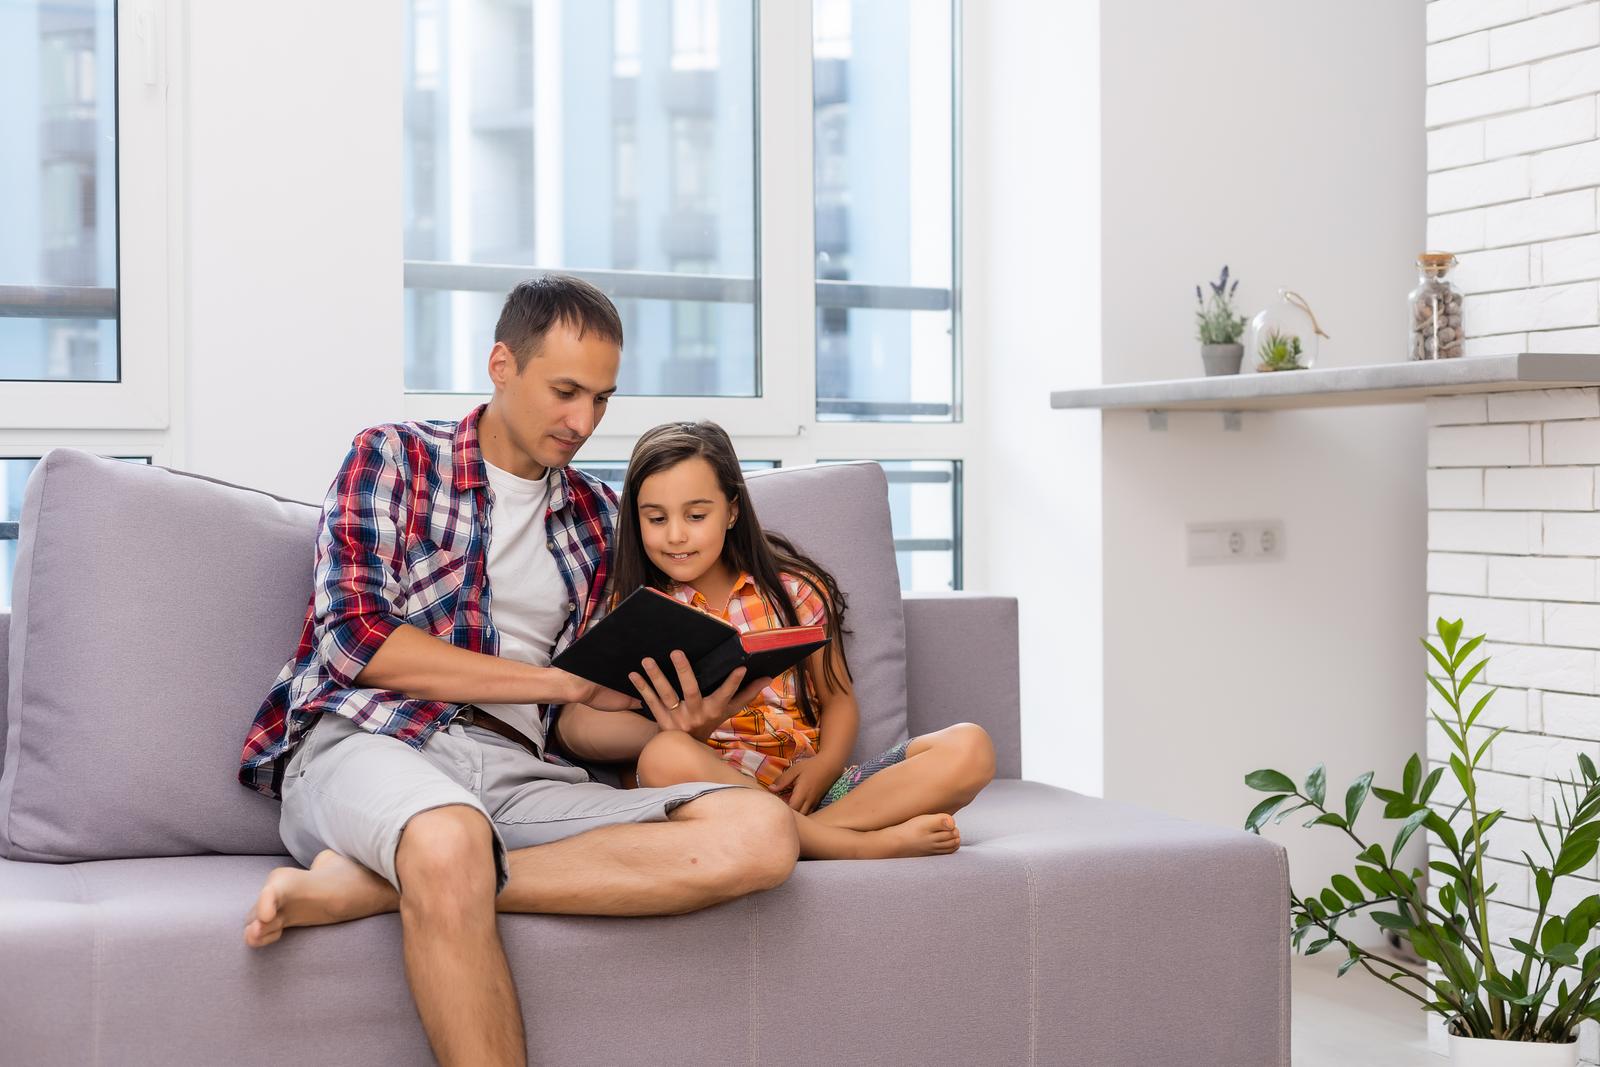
(528, 600)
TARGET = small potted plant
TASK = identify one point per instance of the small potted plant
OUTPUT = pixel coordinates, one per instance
(1219, 328)
(1279, 351)
(1518, 1007)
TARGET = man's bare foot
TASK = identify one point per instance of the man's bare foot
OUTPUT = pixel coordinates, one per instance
(922, 835)
(335, 890)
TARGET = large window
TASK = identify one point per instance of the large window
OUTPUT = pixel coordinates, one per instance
(768, 189)
(884, 178)
(611, 139)
(84, 297)
(58, 191)
(83, 284)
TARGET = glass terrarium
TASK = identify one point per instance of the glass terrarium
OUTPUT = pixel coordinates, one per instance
(1436, 330)
(1284, 335)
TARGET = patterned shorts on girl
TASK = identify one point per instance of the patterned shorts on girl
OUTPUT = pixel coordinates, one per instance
(854, 776)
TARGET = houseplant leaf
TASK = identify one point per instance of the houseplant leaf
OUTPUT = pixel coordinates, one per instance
(1356, 796)
(1269, 781)
(1408, 828)
(1262, 812)
(1348, 889)
(1411, 779)
(1316, 785)
(1463, 652)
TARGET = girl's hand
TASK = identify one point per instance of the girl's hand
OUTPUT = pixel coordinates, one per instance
(696, 715)
(806, 780)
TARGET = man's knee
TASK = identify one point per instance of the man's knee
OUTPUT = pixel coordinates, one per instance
(666, 758)
(446, 857)
(764, 841)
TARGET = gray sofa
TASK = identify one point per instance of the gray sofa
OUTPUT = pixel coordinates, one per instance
(151, 612)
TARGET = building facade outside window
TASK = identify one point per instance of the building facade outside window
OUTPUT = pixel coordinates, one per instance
(767, 189)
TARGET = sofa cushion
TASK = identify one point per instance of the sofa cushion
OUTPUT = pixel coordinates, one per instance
(1067, 930)
(151, 612)
(838, 514)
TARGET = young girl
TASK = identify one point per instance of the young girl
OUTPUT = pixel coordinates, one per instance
(686, 527)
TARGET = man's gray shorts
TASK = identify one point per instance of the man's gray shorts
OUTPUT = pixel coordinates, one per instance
(355, 791)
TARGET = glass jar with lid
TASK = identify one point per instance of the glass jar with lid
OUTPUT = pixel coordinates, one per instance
(1436, 330)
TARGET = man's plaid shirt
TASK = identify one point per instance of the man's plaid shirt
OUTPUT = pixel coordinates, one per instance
(403, 539)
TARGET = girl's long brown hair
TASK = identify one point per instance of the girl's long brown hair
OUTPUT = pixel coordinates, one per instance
(764, 555)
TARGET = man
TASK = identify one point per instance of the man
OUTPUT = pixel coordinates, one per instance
(452, 562)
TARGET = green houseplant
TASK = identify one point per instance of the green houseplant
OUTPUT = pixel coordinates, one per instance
(1218, 327)
(1278, 351)
(1553, 983)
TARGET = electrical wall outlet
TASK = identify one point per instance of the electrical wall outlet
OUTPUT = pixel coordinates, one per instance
(1235, 542)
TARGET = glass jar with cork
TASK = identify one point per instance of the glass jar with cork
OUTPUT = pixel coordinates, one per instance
(1436, 330)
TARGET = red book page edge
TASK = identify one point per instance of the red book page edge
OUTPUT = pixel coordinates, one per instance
(786, 637)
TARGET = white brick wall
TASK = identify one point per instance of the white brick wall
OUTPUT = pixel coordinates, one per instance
(1568, 123)
(1537, 405)
(1563, 31)
(1513, 135)
(1513, 127)
(1514, 539)
(1473, 531)
(1478, 446)
(1514, 550)
(1564, 488)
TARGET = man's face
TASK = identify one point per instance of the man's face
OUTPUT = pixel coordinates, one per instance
(553, 406)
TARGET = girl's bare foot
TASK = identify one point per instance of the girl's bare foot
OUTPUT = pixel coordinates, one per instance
(334, 890)
(921, 835)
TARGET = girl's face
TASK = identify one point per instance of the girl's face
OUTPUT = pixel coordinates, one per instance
(684, 517)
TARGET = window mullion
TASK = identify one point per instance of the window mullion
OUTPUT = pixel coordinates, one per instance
(787, 292)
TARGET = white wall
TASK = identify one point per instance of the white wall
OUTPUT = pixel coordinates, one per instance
(1032, 325)
(1284, 140)
(292, 292)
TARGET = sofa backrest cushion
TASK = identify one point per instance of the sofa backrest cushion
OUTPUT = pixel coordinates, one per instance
(838, 514)
(151, 612)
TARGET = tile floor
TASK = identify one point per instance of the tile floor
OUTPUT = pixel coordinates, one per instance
(1341, 1022)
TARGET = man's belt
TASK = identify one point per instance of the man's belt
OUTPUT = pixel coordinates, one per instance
(472, 715)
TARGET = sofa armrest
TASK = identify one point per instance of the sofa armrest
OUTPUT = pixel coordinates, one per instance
(961, 666)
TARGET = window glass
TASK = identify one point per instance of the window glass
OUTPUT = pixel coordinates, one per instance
(58, 191)
(883, 148)
(614, 139)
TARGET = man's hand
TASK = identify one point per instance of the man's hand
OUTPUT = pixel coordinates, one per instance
(806, 780)
(696, 715)
(575, 690)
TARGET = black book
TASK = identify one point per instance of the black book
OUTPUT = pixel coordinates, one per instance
(649, 623)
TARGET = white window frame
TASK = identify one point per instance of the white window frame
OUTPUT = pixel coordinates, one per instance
(142, 400)
(781, 424)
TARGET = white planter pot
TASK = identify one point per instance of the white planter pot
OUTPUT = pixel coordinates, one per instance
(1480, 1052)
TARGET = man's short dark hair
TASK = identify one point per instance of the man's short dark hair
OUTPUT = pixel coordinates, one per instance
(539, 303)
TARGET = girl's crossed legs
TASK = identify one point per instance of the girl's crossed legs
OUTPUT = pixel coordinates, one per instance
(903, 810)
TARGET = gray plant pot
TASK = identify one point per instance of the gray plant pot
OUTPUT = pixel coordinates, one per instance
(1221, 359)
